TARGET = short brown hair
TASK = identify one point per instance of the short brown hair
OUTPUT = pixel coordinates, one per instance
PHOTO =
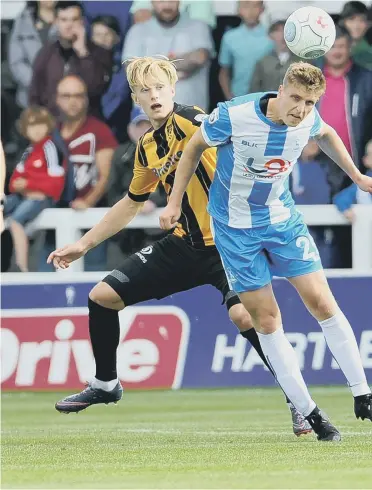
(35, 115)
(305, 75)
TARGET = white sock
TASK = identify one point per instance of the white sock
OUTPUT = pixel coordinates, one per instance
(104, 385)
(283, 360)
(342, 343)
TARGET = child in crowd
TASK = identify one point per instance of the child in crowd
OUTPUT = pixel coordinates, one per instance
(37, 182)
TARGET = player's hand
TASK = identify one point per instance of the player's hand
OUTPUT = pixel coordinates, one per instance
(365, 183)
(170, 216)
(62, 257)
(349, 214)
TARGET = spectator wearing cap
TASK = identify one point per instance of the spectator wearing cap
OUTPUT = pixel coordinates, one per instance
(270, 70)
(354, 18)
(174, 35)
(74, 54)
(32, 29)
(120, 179)
(241, 48)
(105, 32)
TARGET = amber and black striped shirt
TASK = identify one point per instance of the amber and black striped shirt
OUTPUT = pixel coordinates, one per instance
(157, 155)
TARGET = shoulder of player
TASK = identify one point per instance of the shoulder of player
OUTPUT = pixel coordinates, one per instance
(244, 99)
(193, 114)
(142, 144)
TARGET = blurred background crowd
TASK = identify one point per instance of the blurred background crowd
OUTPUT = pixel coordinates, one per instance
(69, 129)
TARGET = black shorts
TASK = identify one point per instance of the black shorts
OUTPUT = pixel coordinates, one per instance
(168, 267)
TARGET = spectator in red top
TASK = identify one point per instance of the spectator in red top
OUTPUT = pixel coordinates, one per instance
(37, 181)
(72, 53)
(91, 146)
(90, 142)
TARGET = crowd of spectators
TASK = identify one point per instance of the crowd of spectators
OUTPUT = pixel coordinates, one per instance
(69, 129)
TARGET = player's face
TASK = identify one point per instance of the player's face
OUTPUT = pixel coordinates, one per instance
(294, 104)
(250, 11)
(156, 99)
(68, 20)
(37, 132)
(72, 99)
(339, 55)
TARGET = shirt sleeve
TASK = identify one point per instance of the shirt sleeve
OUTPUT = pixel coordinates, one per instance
(225, 58)
(144, 181)
(217, 130)
(317, 125)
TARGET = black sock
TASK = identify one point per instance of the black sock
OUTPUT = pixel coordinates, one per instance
(252, 337)
(104, 330)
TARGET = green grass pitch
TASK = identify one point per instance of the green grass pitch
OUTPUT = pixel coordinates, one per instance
(229, 438)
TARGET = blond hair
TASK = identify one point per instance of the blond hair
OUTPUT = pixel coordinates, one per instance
(304, 75)
(140, 70)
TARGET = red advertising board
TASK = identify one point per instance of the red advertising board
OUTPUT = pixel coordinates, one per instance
(50, 348)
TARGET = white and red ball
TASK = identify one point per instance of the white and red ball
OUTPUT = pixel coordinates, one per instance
(309, 32)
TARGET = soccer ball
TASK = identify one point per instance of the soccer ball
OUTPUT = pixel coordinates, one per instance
(309, 32)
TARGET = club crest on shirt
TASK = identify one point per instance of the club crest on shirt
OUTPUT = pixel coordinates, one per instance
(214, 116)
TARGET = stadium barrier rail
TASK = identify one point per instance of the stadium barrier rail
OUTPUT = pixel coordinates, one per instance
(68, 224)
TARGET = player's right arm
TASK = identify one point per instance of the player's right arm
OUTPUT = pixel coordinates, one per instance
(214, 131)
(144, 182)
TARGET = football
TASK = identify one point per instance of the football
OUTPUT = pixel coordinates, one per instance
(309, 32)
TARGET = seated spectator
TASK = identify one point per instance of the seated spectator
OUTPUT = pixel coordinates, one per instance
(241, 48)
(32, 29)
(202, 10)
(176, 36)
(105, 32)
(269, 71)
(120, 178)
(91, 145)
(354, 17)
(345, 199)
(72, 53)
(37, 182)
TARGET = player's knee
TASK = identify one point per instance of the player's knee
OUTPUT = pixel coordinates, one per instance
(240, 316)
(322, 305)
(266, 320)
(105, 296)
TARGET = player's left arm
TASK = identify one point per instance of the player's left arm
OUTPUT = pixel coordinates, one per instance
(332, 145)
